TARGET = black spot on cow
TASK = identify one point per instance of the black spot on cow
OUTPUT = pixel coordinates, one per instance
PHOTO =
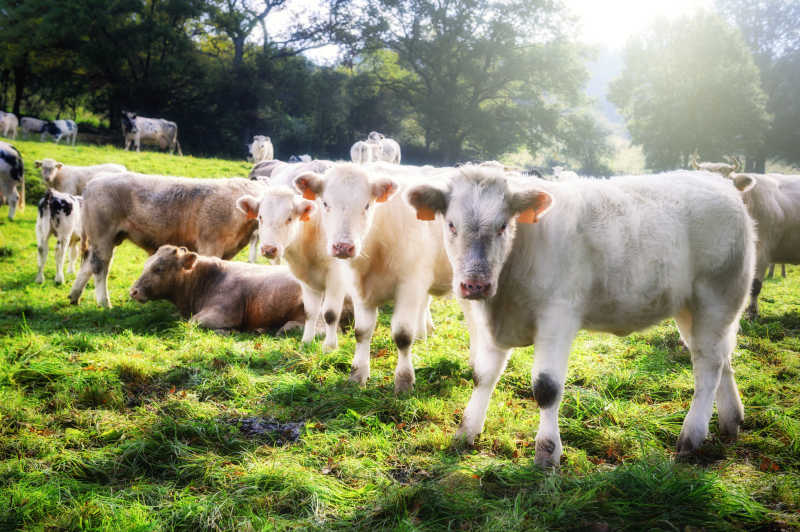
(755, 290)
(359, 334)
(545, 390)
(97, 264)
(14, 160)
(55, 206)
(402, 339)
(330, 317)
(51, 128)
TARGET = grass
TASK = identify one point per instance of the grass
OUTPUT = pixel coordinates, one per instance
(127, 419)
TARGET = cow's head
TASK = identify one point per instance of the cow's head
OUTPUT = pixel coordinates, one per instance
(162, 272)
(279, 212)
(49, 169)
(348, 195)
(374, 136)
(744, 183)
(129, 121)
(480, 210)
(256, 146)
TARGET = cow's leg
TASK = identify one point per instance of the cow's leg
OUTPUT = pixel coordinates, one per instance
(61, 250)
(490, 362)
(409, 308)
(554, 336)
(771, 271)
(332, 307)
(425, 325)
(217, 319)
(13, 199)
(253, 255)
(74, 138)
(101, 265)
(42, 236)
(365, 318)
(74, 248)
(783, 271)
(82, 278)
(138, 142)
(755, 290)
(312, 300)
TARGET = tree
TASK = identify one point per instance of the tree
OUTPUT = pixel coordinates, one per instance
(691, 84)
(770, 29)
(480, 77)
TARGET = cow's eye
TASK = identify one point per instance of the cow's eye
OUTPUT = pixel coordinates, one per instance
(325, 204)
(288, 220)
(452, 228)
(366, 207)
(502, 229)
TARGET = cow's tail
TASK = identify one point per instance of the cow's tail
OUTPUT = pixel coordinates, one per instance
(18, 174)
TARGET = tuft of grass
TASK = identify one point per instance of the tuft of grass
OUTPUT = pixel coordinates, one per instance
(126, 419)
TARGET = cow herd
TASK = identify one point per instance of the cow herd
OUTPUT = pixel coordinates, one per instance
(531, 261)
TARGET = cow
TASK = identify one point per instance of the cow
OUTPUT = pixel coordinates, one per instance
(155, 210)
(221, 295)
(263, 171)
(364, 152)
(773, 200)
(389, 148)
(260, 149)
(305, 158)
(12, 178)
(721, 168)
(535, 262)
(9, 124)
(289, 228)
(32, 125)
(60, 215)
(61, 128)
(391, 255)
(561, 174)
(280, 174)
(138, 129)
(72, 179)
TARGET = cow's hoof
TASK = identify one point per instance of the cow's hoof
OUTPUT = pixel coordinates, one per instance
(73, 300)
(463, 438)
(357, 376)
(689, 442)
(327, 347)
(547, 454)
(403, 383)
(59, 281)
(729, 429)
(40, 280)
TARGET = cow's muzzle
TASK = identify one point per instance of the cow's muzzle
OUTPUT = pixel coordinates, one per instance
(269, 251)
(138, 295)
(343, 250)
(475, 289)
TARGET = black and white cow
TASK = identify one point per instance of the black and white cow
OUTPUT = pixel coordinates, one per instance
(157, 131)
(59, 215)
(59, 129)
(31, 125)
(12, 178)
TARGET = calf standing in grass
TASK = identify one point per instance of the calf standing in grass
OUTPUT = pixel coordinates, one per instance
(61, 128)
(613, 256)
(138, 129)
(773, 200)
(220, 294)
(59, 215)
(155, 210)
(289, 227)
(391, 256)
(72, 179)
(12, 178)
(9, 124)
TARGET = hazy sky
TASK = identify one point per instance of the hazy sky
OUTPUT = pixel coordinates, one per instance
(604, 22)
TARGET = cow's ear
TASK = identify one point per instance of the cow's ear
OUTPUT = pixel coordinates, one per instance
(188, 260)
(303, 208)
(249, 206)
(59, 165)
(530, 205)
(427, 200)
(743, 182)
(383, 189)
(38, 164)
(310, 185)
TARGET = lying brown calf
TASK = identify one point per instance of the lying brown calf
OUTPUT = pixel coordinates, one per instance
(220, 294)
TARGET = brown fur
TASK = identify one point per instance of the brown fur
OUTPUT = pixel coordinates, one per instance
(220, 294)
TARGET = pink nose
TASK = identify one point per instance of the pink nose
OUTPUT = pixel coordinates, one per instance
(134, 293)
(269, 251)
(343, 250)
(474, 289)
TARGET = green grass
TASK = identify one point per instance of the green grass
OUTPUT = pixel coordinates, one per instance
(126, 419)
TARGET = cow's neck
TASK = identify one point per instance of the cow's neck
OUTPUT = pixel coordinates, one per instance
(194, 287)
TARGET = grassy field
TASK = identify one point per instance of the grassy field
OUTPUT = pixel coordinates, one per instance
(129, 419)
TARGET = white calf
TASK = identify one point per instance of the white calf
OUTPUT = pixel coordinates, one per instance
(72, 179)
(59, 215)
(260, 149)
(12, 178)
(390, 254)
(9, 124)
(606, 255)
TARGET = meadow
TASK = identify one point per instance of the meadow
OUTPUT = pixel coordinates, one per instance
(132, 419)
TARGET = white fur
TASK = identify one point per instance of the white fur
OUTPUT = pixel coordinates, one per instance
(261, 149)
(609, 255)
(67, 230)
(9, 124)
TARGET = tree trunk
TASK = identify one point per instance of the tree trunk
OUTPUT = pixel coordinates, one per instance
(114, 113)
(5, 77)
(756, 164)
(20, 79)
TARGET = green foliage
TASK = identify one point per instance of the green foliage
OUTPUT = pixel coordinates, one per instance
(126, 419)
(691, 84)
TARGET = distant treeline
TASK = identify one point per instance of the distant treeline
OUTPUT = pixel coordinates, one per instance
(451, 81)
